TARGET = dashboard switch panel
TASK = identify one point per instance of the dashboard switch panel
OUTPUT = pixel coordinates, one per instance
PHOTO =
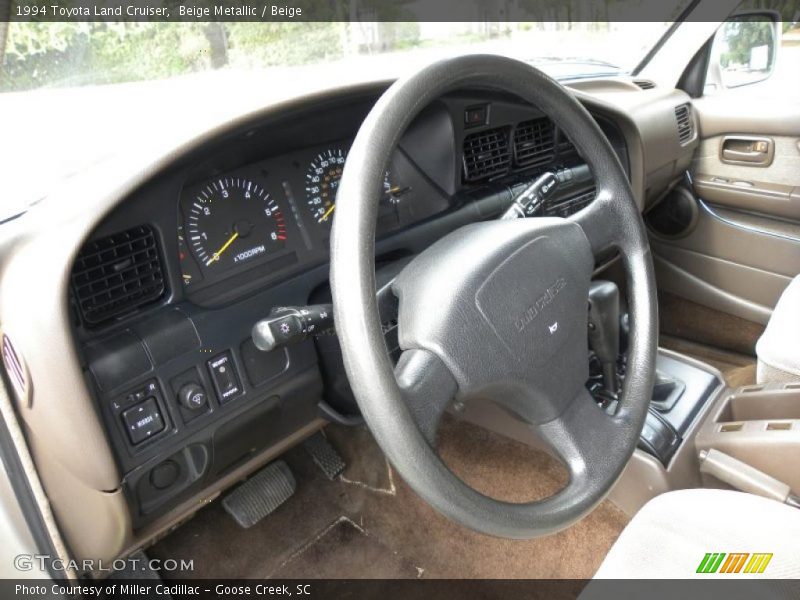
(225, 378)
(143, 421)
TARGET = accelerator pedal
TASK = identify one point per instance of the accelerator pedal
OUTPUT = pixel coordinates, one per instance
(325, 456)
(137, 567)
(261, 494)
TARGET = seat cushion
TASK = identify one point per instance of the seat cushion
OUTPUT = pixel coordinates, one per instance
(670, 536)
(777, 349)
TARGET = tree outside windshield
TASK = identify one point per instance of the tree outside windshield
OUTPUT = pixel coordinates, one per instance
(40, 55)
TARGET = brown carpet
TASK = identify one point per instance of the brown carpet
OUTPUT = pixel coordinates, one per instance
(368, 523)
(688, 320)
(341, 552)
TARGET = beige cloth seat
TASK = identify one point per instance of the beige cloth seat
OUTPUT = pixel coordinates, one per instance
(670, 535)
(778, 349)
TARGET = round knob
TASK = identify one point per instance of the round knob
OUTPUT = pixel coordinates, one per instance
(192, 396)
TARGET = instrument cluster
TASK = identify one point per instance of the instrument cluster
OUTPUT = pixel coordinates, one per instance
(277, 214)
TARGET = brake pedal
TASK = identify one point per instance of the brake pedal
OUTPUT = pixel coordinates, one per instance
(261, 494)
(325, 456)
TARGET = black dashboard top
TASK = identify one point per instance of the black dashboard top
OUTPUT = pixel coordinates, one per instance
(257, 206)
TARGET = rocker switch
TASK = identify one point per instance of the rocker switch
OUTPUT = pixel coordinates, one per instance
(225, 378)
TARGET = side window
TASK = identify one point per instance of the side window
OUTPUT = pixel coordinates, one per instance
(758, 52)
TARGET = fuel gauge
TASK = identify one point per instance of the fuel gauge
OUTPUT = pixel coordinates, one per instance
(190, 271)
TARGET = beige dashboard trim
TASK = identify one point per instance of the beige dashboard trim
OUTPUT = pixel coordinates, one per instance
(64, 433)
(32, 475)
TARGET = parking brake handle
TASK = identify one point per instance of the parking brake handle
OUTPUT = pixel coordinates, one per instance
(743, 477)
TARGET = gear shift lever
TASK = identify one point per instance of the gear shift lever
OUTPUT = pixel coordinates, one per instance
(604, 329)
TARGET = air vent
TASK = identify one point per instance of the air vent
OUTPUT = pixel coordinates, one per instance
(534, 142)
(486, 153)
(645, 84)
(683, 116)
(116, 274)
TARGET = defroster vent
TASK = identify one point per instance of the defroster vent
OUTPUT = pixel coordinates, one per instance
(116, 274)
(534, 142)
(644, 84)
(486, 153)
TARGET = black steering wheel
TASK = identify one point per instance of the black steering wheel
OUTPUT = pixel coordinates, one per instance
(495, 310)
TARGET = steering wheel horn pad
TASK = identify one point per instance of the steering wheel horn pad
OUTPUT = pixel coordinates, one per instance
(503, 305)
(496, 310)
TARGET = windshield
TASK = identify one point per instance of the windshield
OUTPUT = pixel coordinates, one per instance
(41, 55)
(84, 92)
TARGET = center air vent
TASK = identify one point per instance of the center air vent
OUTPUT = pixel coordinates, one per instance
(486, 153)
(683, 116)
(534, 142)
(116, 274)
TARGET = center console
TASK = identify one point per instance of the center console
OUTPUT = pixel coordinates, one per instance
(680, 390)
(760, 426)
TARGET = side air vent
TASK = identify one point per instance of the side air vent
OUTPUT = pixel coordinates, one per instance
(486, 153)
(645, 84)
(683, 116)
(117, 274)
(534, 142)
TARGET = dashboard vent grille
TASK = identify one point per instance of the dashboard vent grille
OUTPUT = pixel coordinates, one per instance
(486, 153)
(534, 142)
(683, 116)
(116, 274)
(645, 84)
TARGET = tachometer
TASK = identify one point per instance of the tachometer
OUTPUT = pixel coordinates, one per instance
(231, 221)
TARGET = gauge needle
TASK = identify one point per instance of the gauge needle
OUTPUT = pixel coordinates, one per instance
(327, 213)
(224, 247)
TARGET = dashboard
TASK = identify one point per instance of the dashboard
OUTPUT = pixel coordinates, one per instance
(167, 288)
(148, 396)
(144, 395)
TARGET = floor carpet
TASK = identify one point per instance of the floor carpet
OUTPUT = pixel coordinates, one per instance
(368, 523)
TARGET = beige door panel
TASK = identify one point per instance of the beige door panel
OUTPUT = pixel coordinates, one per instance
(734, 112)
(735, 262)
(769, 198)
(771, 188)
(782, 164)
(749, 159)
(743, 245)
(755, 285)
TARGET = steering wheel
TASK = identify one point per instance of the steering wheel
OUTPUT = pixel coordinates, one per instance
(495, 310)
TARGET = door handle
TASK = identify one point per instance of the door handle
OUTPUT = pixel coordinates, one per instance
(749, 156)
(747, 150)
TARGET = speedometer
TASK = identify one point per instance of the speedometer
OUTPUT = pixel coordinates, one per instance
(231, 221)
(322, 181)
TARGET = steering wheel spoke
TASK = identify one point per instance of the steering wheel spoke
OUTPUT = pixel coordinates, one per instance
(427, 386)
(581, 436)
